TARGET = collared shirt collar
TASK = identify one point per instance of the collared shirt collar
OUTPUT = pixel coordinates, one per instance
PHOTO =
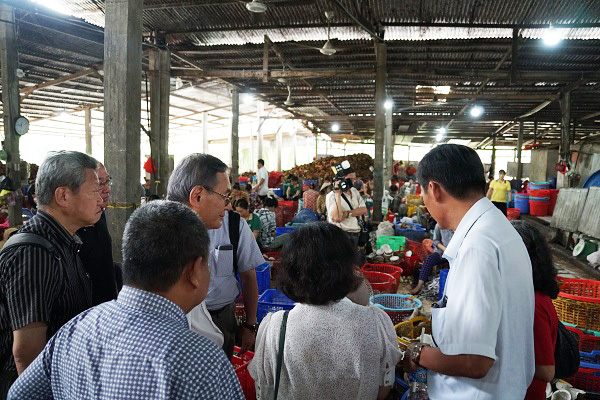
(152, 303)
(468, 220)
(57, 228)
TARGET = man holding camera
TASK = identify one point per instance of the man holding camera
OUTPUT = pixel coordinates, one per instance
(345, 206)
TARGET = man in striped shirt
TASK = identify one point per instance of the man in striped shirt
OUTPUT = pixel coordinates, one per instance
(41, 290)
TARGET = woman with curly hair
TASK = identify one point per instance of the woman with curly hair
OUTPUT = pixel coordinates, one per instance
(545, 324)
(334, 349)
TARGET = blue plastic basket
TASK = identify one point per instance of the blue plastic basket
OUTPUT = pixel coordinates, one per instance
(397, 306)
(282, 230)
(522, 202)
(263, 277)
(310, 182)
(272, 300)
(278, 191)
(590, 360)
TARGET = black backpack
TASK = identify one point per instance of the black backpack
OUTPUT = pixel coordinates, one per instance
(18, 239)
(566, 353)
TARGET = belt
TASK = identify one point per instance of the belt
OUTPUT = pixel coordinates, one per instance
(353, 233)
(218, 310)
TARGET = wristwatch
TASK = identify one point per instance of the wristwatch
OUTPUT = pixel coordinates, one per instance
(415, 352)
(251, 327)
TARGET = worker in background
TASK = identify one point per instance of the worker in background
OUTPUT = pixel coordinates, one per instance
(96, 248)
(43, 288)
(498, 191)
(262, 177)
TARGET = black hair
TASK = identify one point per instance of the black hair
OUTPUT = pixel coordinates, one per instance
(271, 202)
(235, 186)
(456, 168)
(543, 270)
(393, 188)
(242, 203)
(317, 266)
(502, 172)
(248, 187)
(160, 239)
(261, 161)
(294, 178)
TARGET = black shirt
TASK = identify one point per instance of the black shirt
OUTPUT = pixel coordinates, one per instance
(36, 287)
(96, 256)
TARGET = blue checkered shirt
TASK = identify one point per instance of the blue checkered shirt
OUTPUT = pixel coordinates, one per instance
(136, 347)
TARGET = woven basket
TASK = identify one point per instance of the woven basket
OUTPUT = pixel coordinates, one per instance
(411, 330)
(578, 303)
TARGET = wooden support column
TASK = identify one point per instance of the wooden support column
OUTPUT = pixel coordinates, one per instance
(389, 146)
(380, 83)
(88, 131)
(295, 145)
(235, 138)
(278, 143)
(122, 94)
(160, 65)
(519, 151)
(535, 131)
(493, 165)
(265, 77)
(204, 132)
(565, 133)
(260, 108)
(10, 104)
(514, 59)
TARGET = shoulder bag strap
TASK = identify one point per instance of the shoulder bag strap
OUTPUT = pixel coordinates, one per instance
(347, 201)
(234, 236)
(362, 217)
(280, 353)
(30, 239)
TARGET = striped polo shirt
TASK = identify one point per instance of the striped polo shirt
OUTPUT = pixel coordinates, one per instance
(37, 287)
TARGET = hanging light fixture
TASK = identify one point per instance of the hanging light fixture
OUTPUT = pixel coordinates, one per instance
(335, 127)
(328, 48)
(256, 6)
(288, 102)
(476, 111)
(552, 37)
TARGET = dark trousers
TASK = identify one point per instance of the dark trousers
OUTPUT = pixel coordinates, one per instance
(434, 259)
(501, 206)
(224, 319)
(6, 381)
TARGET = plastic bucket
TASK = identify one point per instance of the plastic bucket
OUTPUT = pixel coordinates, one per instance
(513, 213)
(539, 186)
(540, 193)
(553, 197)
(522, 203)
(538, 206)
(443, 276)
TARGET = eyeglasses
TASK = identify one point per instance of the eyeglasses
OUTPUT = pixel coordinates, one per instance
(226, 198)
(106, 183)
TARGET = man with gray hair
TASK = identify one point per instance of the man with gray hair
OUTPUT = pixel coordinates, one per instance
(42, 281)
(200, 181)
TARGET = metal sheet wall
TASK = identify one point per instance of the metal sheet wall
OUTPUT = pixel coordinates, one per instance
(569, 208)
(590, 218)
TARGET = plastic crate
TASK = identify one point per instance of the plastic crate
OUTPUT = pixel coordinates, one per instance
(590, 359)
(580, 289)
(578, 303)
(282, 230)
(587, 342)
(278, 191)
(272, 300)
(411, 329)
(397, 243)
(381, 282)
(397, 306)
(587, 379)
(414, 234)
(240, 365)
(393, 270)
(263, 277)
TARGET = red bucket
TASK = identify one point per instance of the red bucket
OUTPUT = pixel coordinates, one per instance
(513, 213)
(540, 193)
(553, 197)
(538, 206)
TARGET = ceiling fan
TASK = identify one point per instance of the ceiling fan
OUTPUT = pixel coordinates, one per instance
(256, 6)
(288, 102)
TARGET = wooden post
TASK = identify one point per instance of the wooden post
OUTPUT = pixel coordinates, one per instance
(278, 140)
(265, 77)
(565, 134)
(204, 132)
(260, 108)
(514, 58)
(380, 83)
(235, 138)
(519, 151)
(535, 131)
(493, 165)
(389, 146)
(10, 104)
(295, 144)
(88, 131)
(160, 65)
(122, 94)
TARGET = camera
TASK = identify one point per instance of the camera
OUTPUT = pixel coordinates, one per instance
(340, 171)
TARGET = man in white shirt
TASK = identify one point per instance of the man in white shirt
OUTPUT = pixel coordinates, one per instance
(483, 326)
(345, 207)
(262, 177)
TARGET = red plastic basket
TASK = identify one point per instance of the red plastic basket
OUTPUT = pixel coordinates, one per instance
(580, 289)
(393, 270)
(240, 365)
(513, 213)
(587, 343)
(381, 282)
(587, 379)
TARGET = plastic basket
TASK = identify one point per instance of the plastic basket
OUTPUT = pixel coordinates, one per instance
(587, 342)
(580, 289)
(587, 379)
(411, 329)
(240, 365)
(381, 282)
(263, 277)
(393, 270)
(272, 300)
(282, 230)
(513, 213)
(590, 359)
(278, 191)
(397, 306)
(397, 243)
(578, 303)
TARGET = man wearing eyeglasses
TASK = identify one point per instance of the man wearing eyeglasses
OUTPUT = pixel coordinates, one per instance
(200, 181)
(96, 250)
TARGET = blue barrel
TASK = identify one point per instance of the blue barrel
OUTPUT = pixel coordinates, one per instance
(522, 202)
(443, 276)
(552, 182)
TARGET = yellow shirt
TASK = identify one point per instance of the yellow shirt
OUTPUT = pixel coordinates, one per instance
(500, 189)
